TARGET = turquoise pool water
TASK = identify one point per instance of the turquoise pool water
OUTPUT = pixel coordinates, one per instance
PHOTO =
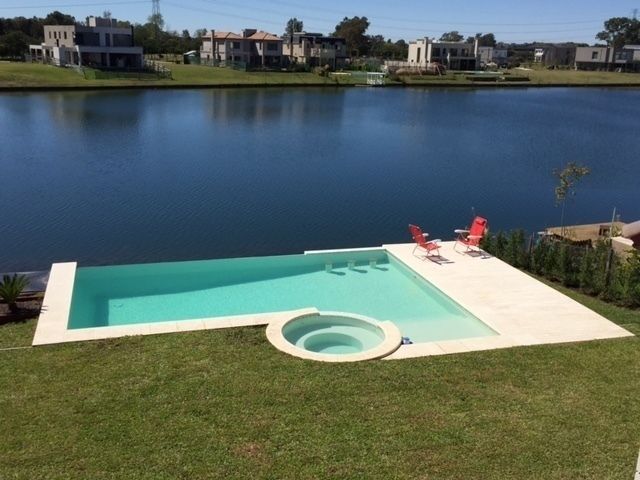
(333, 334)
(369, 283)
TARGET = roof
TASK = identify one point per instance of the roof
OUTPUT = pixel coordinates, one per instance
(631, 47)
(226, 36)
(264, 36)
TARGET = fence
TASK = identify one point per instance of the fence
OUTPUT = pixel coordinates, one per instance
(150, 71)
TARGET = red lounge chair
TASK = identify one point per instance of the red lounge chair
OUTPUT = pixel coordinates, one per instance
(471, 238)
(421, 241)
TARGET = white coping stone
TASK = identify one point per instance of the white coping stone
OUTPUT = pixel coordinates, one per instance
(391, 342)
(522, 310)
(56, 305)
(343, 250)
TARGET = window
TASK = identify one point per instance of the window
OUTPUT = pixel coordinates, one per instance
(419, 53)
(49, 33)
(65, 35)
(436, 52)
(454, 52)
(594, 55)
(236, 45)
(55, 34)
(272, 47)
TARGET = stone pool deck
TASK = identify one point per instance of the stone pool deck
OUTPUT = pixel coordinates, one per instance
(522, 310)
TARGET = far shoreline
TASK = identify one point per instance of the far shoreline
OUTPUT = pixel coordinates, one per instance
(216, 86)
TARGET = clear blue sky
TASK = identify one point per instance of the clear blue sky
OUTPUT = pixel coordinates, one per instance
(510, 20)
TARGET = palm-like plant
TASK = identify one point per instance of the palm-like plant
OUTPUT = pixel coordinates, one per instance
(10, 289)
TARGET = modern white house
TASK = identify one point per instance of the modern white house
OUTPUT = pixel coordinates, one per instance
(99, 43)
(453, 55)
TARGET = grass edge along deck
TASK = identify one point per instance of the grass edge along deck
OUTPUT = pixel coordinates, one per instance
(522, 310)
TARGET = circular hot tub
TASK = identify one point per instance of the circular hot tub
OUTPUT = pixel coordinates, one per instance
(334, 337)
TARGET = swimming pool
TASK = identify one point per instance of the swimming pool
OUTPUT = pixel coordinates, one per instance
(370, 282)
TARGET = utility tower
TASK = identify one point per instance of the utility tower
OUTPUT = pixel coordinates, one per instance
(155, 8)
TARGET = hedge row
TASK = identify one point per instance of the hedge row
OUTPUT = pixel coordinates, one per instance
(595, 270)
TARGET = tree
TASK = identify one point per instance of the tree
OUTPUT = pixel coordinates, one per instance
(157, 20)
(58, 18)
(486, 40)
(353, 31)
(453, 36)
(620, 31)
(10, 289)
(13, 44)
(293, 25)
(567, 179)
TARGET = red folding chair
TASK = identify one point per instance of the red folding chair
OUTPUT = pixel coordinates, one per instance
(429, 246)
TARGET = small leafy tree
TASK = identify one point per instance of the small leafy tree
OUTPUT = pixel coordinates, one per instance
(500, 245)
(10, 289)
(539, 257)
(293, 26)
(453, 36)
(567, 179)
(515, 253)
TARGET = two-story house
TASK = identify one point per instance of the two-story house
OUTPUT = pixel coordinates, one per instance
(100, 43)
(453, 55)
(315, 49)
(253, 48)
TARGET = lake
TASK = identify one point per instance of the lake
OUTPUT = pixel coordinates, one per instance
(141, 176)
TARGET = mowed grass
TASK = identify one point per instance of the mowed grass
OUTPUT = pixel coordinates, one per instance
(38, 75)
(226, 404)
(536, 77)
(17, 75)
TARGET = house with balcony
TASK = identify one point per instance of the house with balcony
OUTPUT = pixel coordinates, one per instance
(252, 47)
(453, 55)
(315, 50)
(99, 43)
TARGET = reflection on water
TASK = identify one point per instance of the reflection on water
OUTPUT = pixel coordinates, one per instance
(137, 176)
(271, 105)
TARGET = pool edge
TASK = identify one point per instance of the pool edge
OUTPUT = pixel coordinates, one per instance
(56, 305)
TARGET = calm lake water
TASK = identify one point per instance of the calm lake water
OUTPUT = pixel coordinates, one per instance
(140, 176)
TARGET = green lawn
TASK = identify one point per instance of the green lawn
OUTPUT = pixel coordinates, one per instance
(536, 77)
(37, 75)
(226, 404)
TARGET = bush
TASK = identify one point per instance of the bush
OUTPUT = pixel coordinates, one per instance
(596, 270)
(11, 288)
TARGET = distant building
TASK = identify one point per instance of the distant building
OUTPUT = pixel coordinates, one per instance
(453, 55)
(627, 59)
(315, 49)
(594, 58)
(499, 56)
(555, 55)
(99, 43)
(624, 237)
(253, 48)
